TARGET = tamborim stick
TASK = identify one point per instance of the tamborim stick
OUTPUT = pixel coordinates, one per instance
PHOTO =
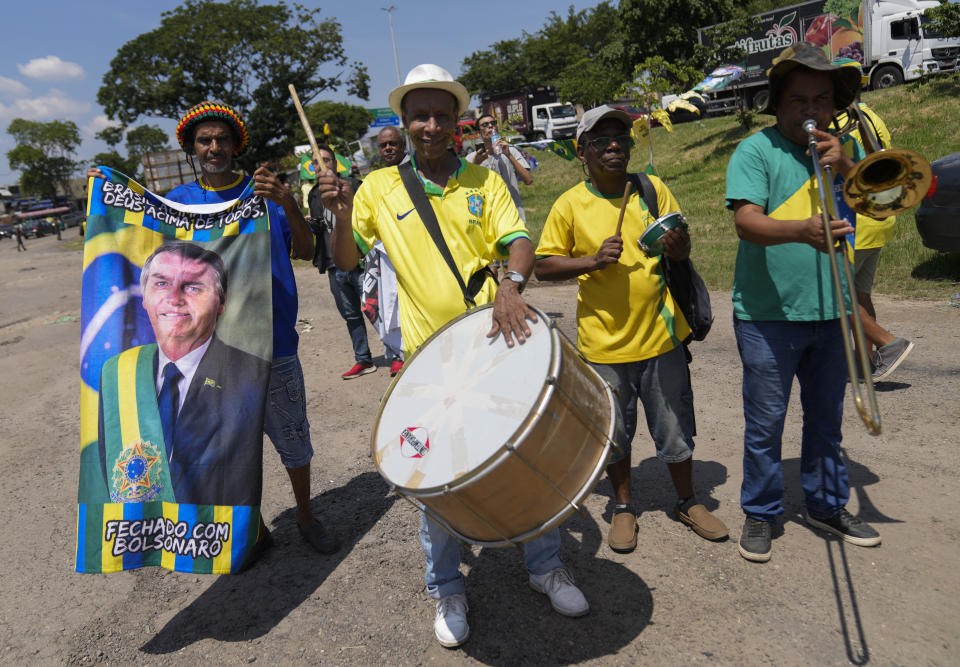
(309, 131)
(623, 207)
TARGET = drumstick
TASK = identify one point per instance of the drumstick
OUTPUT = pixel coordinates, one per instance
(306, 128)
(623, 207)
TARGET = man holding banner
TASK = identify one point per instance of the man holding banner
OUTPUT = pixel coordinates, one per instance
(255, 224)
(215, 133)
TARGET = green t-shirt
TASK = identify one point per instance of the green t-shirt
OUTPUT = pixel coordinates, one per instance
(789, 281)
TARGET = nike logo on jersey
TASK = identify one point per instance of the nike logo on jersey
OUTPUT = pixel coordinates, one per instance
(401, 216)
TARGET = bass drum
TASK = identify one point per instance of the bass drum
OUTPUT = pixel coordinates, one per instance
(496, 444)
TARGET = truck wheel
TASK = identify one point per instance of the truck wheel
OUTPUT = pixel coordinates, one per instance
(539, 136)
(887, 76)
(759, 101)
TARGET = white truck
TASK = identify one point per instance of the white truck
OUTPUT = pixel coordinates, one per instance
(534, 113)
(888, 37)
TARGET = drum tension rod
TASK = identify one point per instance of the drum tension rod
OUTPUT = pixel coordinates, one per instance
(553, 486)
(483, 519)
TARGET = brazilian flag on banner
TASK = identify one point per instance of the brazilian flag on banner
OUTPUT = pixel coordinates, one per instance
(566, 148)
(175, 349)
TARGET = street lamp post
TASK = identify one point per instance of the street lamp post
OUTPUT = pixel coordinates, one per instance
(393, 38)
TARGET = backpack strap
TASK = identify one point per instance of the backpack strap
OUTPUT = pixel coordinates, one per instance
(429, 218)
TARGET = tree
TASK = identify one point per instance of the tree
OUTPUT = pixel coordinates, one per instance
(945, 19)
(145, 139)
(238, 52)
(566, 53)
(112, 135)
(666, 28)
(347, 121)
(140, 140)
(44, 153)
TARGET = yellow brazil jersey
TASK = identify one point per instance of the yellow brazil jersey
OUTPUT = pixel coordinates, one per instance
(870, 233)
(624, 311)
(478, 219)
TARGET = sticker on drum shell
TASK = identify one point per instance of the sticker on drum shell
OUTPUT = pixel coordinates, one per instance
(414, 442)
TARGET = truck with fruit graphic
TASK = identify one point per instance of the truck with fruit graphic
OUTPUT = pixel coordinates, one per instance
(889, 38)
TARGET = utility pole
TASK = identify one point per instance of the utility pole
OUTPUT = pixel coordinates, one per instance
(393, 38)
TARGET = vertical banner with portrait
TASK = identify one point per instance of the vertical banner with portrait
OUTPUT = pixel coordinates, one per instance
(175, 353)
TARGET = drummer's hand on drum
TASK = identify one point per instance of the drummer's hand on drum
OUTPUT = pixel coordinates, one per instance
(676, 245)
(609, 252)
(510, 314)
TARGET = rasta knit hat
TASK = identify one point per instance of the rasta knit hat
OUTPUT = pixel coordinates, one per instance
(212, 111)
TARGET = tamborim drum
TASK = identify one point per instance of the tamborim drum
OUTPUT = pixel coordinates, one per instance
(496, 444)
(651, 241)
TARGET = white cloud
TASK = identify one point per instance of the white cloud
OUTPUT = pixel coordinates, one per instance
(12, 87)
(98, 123)
(47, 107)
(51, 68)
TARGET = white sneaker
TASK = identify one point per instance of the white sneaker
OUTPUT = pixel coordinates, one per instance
(565, 597)
(450, 625)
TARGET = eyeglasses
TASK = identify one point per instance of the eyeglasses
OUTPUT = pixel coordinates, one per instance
(602, 143)
(489, 123)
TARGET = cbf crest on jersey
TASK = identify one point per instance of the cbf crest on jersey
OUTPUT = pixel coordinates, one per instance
(475, 205)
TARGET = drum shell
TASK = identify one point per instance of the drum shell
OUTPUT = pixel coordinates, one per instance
(543, 473)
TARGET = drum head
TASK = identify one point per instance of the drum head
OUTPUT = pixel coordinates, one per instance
(651, 242)
(459, 399)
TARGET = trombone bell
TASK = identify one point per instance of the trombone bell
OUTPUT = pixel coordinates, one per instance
(887, 182)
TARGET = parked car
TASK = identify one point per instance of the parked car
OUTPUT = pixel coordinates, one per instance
(938, 217)
(72, 219)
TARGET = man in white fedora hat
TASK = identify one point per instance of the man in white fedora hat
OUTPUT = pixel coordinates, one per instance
(479, 223)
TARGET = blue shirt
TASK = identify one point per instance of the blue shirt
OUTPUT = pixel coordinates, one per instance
(285, 337)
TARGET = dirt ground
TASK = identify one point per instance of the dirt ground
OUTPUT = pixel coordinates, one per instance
(676, 600)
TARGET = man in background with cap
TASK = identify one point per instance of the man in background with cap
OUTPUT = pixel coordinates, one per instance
(214, 134)
(629, 326)
(786, 316)
(479, 222)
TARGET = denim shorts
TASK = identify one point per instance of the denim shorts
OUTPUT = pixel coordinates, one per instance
(662, 385)
(285, 418)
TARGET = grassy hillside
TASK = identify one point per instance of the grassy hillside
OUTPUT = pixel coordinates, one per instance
(693, 160)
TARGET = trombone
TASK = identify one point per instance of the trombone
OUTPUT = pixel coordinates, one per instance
(886, 182)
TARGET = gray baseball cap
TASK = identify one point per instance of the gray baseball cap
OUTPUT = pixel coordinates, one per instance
(596, 114)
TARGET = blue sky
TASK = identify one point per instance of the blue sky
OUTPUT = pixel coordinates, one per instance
(54, 54)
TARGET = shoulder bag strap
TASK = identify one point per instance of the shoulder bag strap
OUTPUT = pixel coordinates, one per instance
(429, 219)
(643, 185)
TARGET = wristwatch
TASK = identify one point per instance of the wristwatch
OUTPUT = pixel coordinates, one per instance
(516, 277)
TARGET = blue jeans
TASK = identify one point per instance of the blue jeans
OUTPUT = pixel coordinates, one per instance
(772, 354)
(347, 289)
(442, 553)
(285, 418)
(662, 385)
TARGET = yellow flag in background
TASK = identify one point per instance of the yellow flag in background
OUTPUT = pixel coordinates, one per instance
(639, 130)
(663, 117)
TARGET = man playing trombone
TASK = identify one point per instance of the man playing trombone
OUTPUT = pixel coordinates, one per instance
(787, 318)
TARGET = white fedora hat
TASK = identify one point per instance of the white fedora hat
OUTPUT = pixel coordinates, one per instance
(429, 76)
